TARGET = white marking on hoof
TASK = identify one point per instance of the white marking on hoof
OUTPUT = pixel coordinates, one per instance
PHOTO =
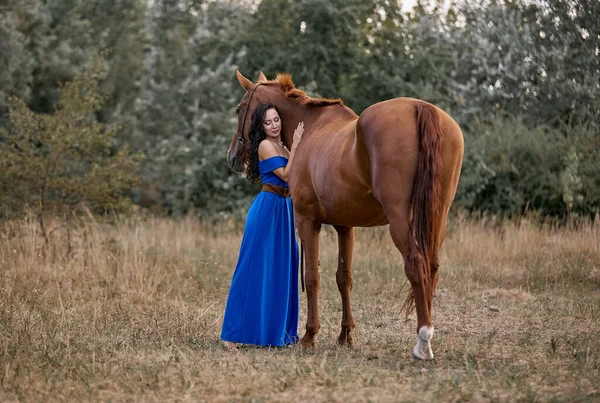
(423, 348)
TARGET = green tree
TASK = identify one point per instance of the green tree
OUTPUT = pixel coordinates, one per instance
(17, 62)
(60, 38)
(55, 163)
(184, 114)
(536, 60)
(511, 168)
(500, 68)
(213, 93)
(569, 40)
(316, 41)
(407, 55)
(160, 115)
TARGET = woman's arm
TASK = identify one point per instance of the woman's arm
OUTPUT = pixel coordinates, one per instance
(267, 150)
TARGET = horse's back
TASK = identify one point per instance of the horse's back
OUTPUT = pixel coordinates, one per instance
(400, 114)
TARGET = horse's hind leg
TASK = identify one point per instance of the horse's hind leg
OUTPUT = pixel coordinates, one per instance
(435, 260)
(414, 269)
(309, 235)
(343, 277)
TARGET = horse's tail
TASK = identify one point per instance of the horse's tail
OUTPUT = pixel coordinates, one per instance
(425, 219)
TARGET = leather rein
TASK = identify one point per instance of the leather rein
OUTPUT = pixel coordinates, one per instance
(241, 137)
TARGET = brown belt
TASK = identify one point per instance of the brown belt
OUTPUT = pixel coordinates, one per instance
(278, 190)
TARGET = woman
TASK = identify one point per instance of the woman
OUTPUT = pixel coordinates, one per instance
(262, 307)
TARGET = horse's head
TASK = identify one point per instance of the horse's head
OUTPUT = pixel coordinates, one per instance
(290, 102)
(237, 155)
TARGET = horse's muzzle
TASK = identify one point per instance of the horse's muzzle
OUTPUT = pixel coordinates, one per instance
(235, 162)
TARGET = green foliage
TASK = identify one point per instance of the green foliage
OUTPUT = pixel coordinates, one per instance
(510, 168)
(409, 55)
(587, 150)
(16, 62)
(60, 161)
(184, 112)
(523, 168)
(316, 41)
(520, 77)
(570, 180)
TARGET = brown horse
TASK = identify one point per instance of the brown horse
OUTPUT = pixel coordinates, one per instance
(398, 163)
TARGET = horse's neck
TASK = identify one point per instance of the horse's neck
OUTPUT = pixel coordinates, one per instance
(316, 117)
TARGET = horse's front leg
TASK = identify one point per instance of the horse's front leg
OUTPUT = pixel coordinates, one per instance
(344, 282)
(309, 235)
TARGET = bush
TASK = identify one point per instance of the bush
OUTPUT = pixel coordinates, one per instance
(510, 168)
(61, 161)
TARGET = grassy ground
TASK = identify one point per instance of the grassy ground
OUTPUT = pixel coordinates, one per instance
(133, 313)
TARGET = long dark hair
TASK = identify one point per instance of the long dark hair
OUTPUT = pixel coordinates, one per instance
(257, 134)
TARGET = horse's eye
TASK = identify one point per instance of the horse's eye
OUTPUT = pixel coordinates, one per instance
(237, 111)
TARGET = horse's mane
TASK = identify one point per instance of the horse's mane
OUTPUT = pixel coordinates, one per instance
(284, 80)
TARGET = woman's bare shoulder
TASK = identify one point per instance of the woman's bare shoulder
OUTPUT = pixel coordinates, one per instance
(266, 149)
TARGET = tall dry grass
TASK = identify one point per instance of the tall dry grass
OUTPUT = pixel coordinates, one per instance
(133, 313)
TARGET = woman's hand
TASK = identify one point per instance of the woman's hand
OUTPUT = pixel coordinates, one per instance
(298, 134)
(284, 171)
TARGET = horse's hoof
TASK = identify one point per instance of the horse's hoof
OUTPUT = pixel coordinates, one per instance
(307, 343)
(345, 341)
(422, 350)
(422, 355)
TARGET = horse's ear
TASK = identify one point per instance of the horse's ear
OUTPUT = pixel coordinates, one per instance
(244, 82)
(262, 77)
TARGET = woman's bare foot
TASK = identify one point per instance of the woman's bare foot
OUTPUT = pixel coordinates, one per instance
(229, 345)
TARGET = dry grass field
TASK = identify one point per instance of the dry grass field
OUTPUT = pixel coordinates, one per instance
(133, 313)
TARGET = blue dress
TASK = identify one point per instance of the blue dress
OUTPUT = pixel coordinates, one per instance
(262, 307)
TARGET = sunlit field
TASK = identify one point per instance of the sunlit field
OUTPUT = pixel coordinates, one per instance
(133, 313)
